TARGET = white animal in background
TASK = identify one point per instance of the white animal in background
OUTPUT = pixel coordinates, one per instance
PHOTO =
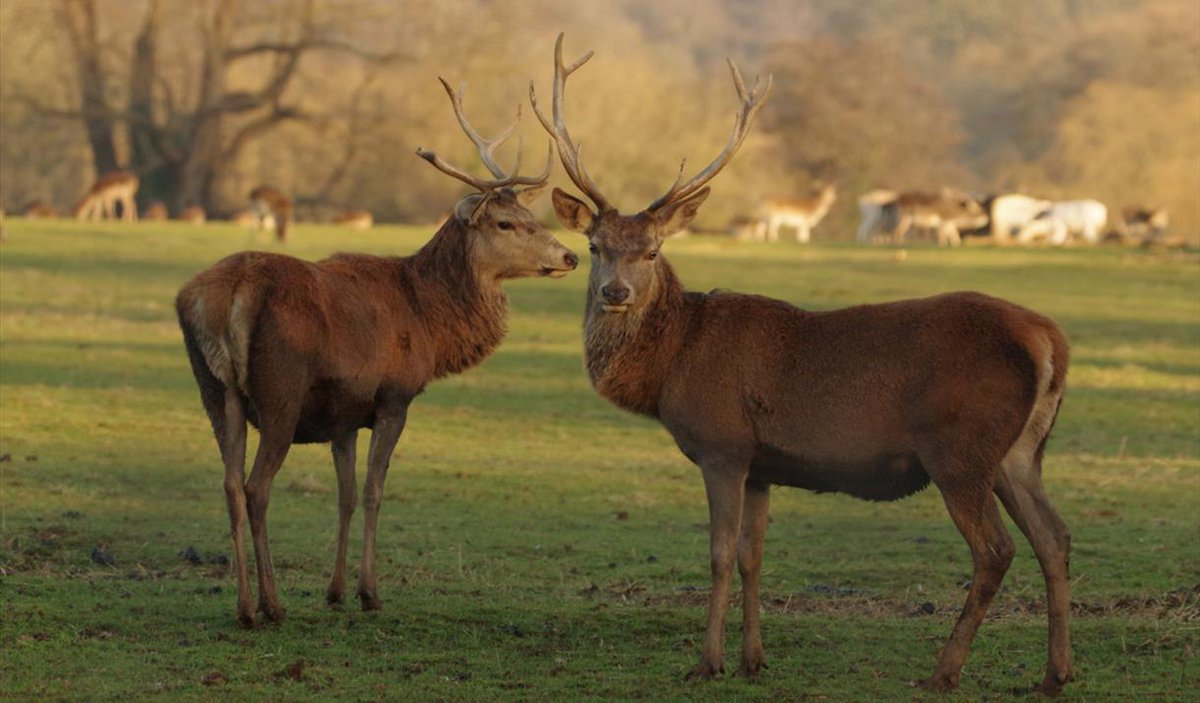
(801, 213)
(870, 210)
(1064, 220)
(1011, 212)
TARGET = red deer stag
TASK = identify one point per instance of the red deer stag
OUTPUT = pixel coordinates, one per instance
(874, 401)
(312, 352)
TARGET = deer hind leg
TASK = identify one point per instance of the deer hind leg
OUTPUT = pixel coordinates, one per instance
(227, 412)
(275, 439)
(1020, 488)
(749, 558)
(725, 485)
(384, 436)
(232, 440)
(344, 449)
(974, 512)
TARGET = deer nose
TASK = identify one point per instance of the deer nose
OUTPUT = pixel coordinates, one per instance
(614, 294)
(571, 260)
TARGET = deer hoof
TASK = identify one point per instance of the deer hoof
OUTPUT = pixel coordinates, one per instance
(1053, 684)
(246, 620)
(704, 671)
(939, 683)
(333, 597)
(751, 668)
(370, 601)
(273, 612)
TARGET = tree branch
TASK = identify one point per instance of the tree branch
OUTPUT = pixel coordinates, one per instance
(315, 43)
(256, 127)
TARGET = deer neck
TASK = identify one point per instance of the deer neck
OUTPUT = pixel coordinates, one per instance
(464, 313)
(628, 355)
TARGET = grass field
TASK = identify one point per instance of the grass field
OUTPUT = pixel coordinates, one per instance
(538, 544)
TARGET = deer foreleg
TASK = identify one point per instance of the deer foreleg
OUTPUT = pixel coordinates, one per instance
(384, 436)
(725, 485)
(343, 462)
(750, 556)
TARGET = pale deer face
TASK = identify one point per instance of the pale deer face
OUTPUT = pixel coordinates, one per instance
(507, 241)
(624, 248)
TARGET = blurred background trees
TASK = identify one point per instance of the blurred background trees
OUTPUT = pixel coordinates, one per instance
(328, 99)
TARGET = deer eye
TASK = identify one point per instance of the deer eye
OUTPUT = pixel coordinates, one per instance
(652, 255)
(504, 224)
(592, 248)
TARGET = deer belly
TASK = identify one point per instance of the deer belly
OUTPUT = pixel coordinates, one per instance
(331, 410)
(887, 477)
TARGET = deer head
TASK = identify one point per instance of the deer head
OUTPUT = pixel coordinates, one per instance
(504, 238)
(625, 248)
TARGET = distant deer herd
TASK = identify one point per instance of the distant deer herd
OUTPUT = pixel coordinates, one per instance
(960, 390)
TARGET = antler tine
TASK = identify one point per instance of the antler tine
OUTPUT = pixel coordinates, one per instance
(568, 150)
(487, 147)
(439, 164)
(751, 102)
(487, 151)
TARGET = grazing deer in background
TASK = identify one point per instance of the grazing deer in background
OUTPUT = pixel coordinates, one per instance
(801, 213)
(272, 206)
(875, 401)
(946, 212)
(110, 192)
(156, 212)
(38, 210)
(313, 352)
(355, 219)
(193, 214)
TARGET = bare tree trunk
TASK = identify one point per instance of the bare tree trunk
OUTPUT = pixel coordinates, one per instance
(199, 168)
(149, 154)
(80, 20)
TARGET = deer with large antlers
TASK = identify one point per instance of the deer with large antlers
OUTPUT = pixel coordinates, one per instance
(875, 401)
(313, 352)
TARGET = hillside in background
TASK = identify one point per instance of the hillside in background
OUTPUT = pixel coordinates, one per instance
(1064, 99)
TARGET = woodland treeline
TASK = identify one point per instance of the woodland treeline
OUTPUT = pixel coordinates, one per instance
(328, 99)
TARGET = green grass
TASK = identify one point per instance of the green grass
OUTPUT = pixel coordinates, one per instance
(538, 544)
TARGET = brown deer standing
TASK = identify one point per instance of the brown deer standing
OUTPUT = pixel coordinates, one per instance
(110, 191)
(272, 207)
(874, 401)
(802, 213)
(312, 352)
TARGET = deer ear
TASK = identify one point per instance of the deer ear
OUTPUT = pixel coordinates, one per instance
(469, 208)
(677, 216)
(530, 194)
(571, 211)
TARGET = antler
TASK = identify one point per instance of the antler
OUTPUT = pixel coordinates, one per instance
(751, 102)
(568, 150)
(487, 152)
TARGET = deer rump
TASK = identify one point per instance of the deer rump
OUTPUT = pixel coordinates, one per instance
(849, 400)
(264, 324)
